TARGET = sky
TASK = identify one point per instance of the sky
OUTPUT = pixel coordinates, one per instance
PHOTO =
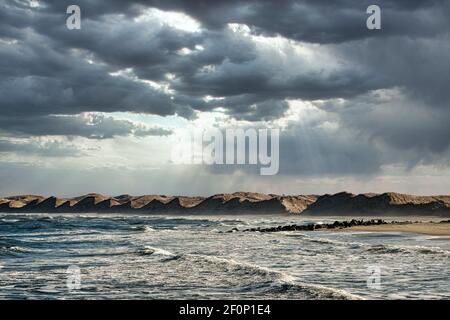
(99, 109)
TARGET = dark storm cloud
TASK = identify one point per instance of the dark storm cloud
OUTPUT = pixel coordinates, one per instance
(260, 80)
(305, 20)
(47, 70)
(311, 151)
(397, 121)
(359, 138)
(318, 21)
(45, 58)
(420, 66)
(265, 111)
(39, 79)
(92, 126)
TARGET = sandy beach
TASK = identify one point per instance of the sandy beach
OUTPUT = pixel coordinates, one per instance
(429, 228)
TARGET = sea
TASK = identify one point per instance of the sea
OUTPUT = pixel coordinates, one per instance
(95, 256)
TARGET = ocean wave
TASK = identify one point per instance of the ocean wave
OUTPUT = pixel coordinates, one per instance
(143, 228)
(379, 248)
(324, 241)
(12, 250)
(279, 282)
(187, 219)
(349, 244)
(264, 279)
(158, 252)
(10, 220)
(386, 248)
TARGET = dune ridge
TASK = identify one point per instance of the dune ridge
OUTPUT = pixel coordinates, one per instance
(342, 203)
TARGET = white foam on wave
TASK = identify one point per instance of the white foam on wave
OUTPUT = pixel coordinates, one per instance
(278, 277)
(10, 220)
(13, 250)
(389, 248)
(334, 242)
(164, 255)
(380, 248)
(144, 228)
(157, 251)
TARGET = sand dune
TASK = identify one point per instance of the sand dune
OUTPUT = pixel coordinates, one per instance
(379, 204)
(340, 204)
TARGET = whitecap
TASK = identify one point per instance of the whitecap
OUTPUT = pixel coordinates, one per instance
(281, 281)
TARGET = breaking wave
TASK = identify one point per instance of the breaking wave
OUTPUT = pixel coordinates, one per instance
(264, 280)
(12, 251)
(385, 248)
(279, 282)
(381, 248)
(143, 228)
(158, 252)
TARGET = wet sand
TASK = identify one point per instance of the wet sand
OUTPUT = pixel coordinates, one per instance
(429, 228)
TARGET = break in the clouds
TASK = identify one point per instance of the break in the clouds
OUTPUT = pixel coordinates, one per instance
(353, 103)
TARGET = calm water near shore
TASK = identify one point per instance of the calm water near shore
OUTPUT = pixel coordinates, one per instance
(157, 257)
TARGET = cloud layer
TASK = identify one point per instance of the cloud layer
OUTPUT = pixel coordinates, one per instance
(352, 101)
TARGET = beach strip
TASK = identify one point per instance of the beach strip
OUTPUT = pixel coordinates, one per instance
(428, 228)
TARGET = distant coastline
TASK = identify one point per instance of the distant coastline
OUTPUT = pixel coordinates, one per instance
(441, 228)
(339, 204)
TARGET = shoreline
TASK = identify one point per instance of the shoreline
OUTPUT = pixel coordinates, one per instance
(426, 228)
(441, 228)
